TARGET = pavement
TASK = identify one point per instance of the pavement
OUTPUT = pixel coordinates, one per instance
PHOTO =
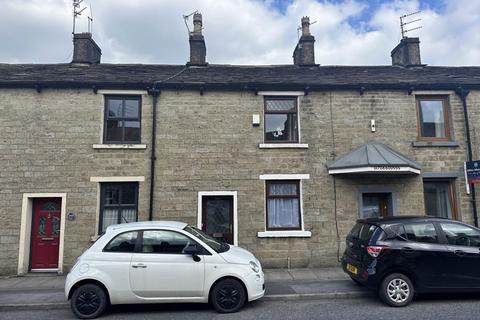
(43, 291)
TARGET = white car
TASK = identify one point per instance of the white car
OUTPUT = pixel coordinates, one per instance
(159, 262)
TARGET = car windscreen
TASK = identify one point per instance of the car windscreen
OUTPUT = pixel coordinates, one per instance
(211, 242)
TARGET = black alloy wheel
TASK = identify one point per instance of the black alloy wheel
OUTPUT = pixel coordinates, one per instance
(88, 301)
(228, 295)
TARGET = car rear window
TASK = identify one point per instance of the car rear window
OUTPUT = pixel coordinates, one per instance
(354, 233)
(367, 231)
(421, 232)
(124, 242)
(363, 231)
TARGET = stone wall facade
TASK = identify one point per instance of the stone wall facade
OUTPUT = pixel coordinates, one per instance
(206, 142)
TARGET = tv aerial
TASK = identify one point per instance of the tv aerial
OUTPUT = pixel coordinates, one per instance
(185, 19)
(90, 20)
(77, 11)
(300, 28)
(403, 23)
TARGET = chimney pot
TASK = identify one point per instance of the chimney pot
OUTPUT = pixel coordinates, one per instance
(85, 50)
(304, 53)
(198, 50)
(197, 23)
(305, 26)
(407, 53)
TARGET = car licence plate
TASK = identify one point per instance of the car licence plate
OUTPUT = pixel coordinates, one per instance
(352, 269)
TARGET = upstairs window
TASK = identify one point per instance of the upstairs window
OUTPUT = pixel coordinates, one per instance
(433, 118)
(281, 119)
(122, 119)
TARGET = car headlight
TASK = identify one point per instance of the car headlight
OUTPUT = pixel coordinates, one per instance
(254, 266)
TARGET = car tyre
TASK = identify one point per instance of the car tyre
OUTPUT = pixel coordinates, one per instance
(228, 296)
(88, 301)
(396, 290)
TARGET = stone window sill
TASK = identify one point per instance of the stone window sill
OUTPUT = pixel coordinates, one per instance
(119, 146)
(284, 234)
(283, 145)
(426, 144)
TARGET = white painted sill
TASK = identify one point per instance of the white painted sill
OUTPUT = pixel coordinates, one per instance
(284, 234)
(283, 145)
(119, 146)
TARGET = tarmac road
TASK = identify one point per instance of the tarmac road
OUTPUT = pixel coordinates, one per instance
(449, 307)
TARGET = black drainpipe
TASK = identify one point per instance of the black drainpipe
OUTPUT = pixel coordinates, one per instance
(154, 92)
(462, 93)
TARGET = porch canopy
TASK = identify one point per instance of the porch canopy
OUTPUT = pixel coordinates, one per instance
(373, 158)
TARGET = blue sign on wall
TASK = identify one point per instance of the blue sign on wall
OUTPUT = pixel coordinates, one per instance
(472, 171)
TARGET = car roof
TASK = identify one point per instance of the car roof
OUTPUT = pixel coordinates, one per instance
(397, 219)
(147, 224)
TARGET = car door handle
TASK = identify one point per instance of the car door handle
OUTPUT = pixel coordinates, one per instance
(407, 250)
(139, 265)
(459, 252)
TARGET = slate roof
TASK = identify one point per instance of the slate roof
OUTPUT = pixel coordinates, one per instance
(372, 155)
(238, 77)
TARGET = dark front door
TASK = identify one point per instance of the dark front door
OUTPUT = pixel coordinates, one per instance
(376, 205)
(45, 233)
(217, 217)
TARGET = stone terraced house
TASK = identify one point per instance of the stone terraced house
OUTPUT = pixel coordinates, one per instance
(279, 159)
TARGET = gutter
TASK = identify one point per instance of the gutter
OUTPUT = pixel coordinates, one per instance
(463, 93)
(231, 86)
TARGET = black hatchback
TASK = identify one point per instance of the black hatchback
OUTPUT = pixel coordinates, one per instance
(401, 256)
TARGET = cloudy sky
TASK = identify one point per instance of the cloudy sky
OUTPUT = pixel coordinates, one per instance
(347, 32)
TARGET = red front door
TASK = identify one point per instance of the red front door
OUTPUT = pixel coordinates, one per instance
(45, 233)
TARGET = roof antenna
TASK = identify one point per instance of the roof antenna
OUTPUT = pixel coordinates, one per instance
(403, 23)
(90, 20)
(185, 19)
(76, 12)
(300, 28)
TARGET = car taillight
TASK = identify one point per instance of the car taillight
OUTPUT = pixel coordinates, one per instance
(375, 251)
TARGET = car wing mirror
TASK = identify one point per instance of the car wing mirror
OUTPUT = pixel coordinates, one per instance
(192, 250)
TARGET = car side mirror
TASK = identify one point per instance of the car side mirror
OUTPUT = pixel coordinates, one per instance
(192, 250)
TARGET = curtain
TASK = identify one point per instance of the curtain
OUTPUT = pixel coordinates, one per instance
(110, 216)
(130, 215)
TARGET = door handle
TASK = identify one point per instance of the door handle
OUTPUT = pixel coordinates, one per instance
(407, 250)
(459, 252)
(139, 265)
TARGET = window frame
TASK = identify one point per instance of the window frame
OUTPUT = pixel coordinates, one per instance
(119, 206)
(297, 196)
(106, 98)
(446, 117)
(452, 195)
(265, 113)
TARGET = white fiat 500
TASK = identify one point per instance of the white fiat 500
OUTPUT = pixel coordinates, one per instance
(158, 262)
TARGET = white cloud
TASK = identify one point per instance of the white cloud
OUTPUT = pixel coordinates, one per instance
(237, 31)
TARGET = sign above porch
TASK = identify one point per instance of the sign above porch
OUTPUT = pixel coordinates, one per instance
(373, 158)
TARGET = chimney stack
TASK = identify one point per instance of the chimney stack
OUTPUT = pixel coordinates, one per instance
(198, 50)
(407, 53)
(304, 53)
(85, 50)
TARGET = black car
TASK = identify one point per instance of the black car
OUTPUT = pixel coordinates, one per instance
(401, 256)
